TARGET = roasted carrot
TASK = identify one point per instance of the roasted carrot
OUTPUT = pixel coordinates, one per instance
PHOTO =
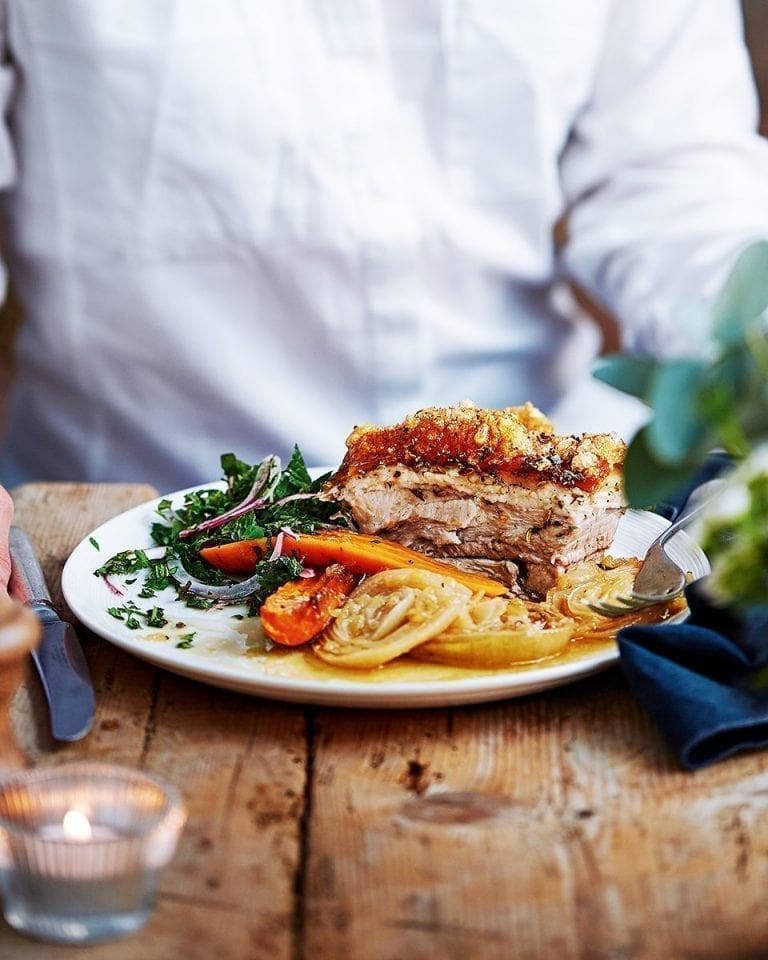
(361, 553)
(301, 609)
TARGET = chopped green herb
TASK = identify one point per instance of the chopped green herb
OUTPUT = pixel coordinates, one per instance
(155, 617)
(186, 641)
(128, 614)
(94, 543)
(132, 615)
(198, 603)
(127, 561)
(273, 573)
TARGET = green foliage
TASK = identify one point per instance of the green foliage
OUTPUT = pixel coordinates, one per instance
(700, 404)
(744, 295)
(647, 479)
(677, 428)
(632, 375)
(734, 534)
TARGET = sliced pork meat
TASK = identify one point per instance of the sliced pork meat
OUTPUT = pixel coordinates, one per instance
(494, 488)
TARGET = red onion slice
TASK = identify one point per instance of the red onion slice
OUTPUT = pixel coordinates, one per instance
(269, 470)
(227, 593)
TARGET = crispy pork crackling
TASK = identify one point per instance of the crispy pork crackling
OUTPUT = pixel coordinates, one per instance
(491, 490)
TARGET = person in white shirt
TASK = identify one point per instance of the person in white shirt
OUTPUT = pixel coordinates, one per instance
(237, 225)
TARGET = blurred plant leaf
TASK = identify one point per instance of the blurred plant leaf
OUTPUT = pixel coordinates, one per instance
(755, 414)
(727, 385)
(756, 339)
(744, 295)
(720, 411)
(677, 427)
(700, 404)
(629, 374)
(647, 480)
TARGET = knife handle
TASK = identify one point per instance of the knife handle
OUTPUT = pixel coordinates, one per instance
(19, 636)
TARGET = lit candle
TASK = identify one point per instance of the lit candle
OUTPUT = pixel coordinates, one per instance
(76, 826)
(81, 846)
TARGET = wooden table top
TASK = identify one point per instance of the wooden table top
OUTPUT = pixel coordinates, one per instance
(551, 826)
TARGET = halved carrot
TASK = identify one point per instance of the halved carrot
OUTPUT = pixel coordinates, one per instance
(360, 552)
(301, 609)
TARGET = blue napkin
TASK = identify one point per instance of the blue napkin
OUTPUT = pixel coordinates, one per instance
(704, 682)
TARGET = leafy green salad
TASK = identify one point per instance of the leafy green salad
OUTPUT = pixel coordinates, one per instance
(257, 501)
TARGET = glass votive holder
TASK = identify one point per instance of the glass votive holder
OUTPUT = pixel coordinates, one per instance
(81, 849)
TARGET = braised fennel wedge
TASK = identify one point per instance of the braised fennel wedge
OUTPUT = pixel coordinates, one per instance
(259, 500)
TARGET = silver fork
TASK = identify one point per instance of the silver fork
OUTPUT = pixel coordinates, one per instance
(660, 579)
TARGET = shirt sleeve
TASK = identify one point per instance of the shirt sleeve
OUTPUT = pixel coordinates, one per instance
(664, 174)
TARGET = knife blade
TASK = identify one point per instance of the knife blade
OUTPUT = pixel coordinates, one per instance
(59, 658)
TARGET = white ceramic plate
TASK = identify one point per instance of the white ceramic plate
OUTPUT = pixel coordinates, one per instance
(228, 650)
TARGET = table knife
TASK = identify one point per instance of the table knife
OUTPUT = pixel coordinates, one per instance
(59, 657)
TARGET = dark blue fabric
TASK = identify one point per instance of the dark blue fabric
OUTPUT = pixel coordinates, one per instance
(703, 682)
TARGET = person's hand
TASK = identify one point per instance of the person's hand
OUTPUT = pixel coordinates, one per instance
(6, 517)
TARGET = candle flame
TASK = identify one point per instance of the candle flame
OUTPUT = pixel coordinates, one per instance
(76, 826)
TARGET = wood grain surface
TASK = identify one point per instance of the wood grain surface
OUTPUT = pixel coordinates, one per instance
(553, 826)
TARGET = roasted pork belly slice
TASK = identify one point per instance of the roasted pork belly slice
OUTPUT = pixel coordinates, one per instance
(496, 487)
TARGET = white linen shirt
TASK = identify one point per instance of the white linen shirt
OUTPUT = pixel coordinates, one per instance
(238, 225)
